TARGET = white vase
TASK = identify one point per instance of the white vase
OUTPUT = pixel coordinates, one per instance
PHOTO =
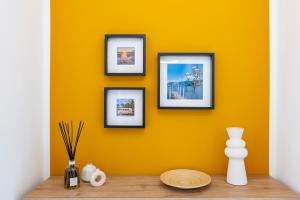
(87, 172)
(236, 152)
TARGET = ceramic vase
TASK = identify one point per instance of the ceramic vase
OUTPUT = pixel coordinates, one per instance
(236, 152)
(87, 172)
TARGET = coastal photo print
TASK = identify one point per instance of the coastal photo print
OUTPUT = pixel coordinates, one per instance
(185, 80)
(124, 54)
(124, 107)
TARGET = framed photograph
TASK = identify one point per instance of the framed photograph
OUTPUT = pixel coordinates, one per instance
(125, 54)
(186, 80)
(124, 107)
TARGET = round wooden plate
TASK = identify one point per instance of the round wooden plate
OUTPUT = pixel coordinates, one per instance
(185, 178)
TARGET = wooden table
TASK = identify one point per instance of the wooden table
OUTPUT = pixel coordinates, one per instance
(150, 187)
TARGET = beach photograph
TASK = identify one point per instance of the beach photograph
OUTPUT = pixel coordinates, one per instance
(125, 55)
(185, 81)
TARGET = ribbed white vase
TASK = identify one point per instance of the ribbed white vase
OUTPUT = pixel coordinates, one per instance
(236, 152)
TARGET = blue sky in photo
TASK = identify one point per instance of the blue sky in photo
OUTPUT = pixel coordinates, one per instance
(124, 101)
(177, 71)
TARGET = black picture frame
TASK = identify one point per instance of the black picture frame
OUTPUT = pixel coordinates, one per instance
(211, 55)
(106, 89)
(109, 36)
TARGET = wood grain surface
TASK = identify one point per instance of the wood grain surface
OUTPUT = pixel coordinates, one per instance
(260, 187)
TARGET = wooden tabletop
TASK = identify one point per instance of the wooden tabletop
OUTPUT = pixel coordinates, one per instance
(259, 187)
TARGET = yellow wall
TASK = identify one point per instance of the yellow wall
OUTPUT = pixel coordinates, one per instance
(236, 30)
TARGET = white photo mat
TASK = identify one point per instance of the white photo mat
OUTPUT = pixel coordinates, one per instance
(186, 59)
(111, 107)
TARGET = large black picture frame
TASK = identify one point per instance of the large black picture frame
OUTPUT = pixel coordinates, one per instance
(107, 37)
(106, 125)
(212, 57)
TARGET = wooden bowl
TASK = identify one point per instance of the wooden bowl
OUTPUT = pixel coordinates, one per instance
(185, 178)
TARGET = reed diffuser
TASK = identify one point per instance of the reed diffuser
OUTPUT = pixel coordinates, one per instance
(71, 175)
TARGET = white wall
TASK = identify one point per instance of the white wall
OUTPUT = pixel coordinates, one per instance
(285, 91)
(24, 95)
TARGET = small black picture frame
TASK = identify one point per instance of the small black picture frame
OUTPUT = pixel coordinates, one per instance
(137, 114)
(135, 64)
(176, 92)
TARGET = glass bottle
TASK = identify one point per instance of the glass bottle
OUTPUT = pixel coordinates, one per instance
(72, 180)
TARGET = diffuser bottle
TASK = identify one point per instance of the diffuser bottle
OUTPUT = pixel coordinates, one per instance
(72, 179)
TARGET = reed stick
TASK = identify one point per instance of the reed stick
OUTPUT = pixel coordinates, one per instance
(67, 134)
